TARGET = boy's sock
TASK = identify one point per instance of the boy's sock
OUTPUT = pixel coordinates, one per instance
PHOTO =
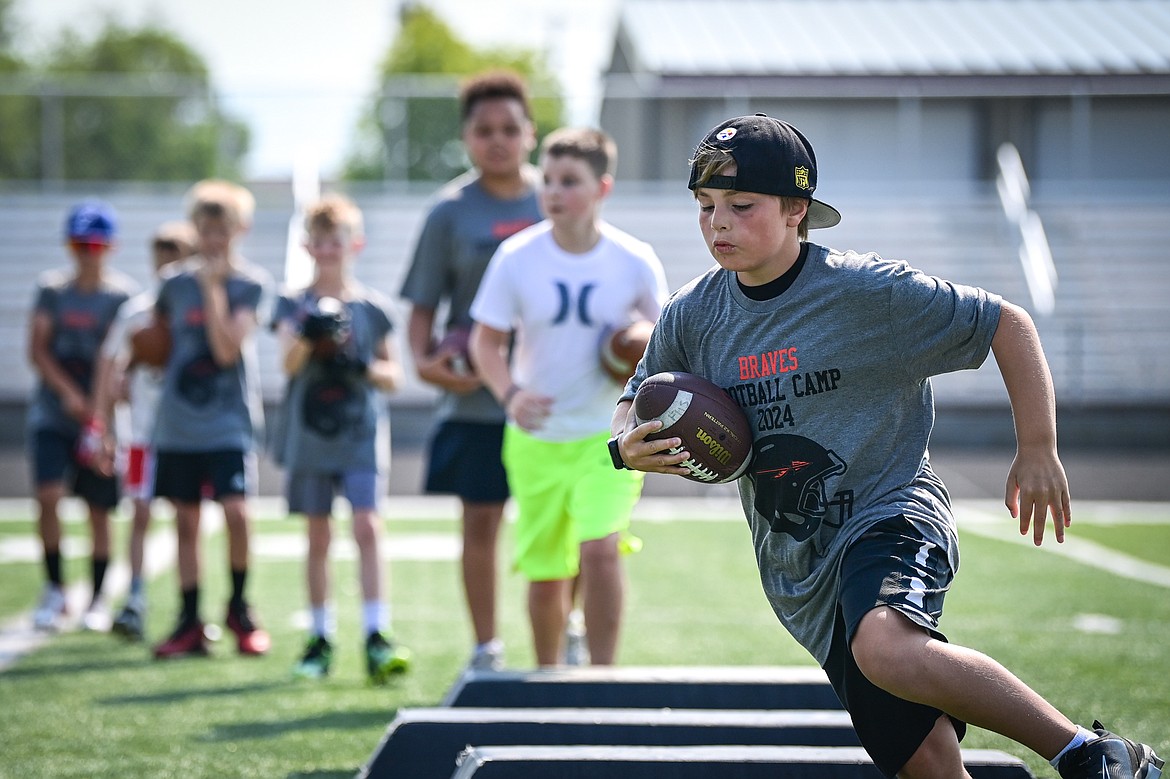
(190, 612)
(238, 579)
(322, 621)
(375, 616)
(99, 566)
(1082, 735)
(53, 567)
(136, 587)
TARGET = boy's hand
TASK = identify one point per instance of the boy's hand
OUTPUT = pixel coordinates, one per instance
(436, 369)
(651, 456)
(1037, 485)
(528, 409)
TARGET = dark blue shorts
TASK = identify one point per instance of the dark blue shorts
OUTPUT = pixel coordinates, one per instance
(54, 459)
(891, 566)
(465, 461)
(190, 477)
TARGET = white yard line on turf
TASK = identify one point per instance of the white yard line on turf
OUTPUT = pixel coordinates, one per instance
(1000, 526)
(17, 635)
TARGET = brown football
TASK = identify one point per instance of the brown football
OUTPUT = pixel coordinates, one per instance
(622, 348)
(456, 341)
(712, 426)
(151, 345)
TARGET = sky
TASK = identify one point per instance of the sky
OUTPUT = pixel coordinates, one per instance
(299, 72)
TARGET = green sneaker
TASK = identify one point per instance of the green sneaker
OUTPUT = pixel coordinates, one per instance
(314, 664)
(385, 658)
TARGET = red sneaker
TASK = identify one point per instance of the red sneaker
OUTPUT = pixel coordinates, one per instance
(251, 639)
(188, 639)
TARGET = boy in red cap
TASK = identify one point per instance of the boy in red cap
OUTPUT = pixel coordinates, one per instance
(71, 314)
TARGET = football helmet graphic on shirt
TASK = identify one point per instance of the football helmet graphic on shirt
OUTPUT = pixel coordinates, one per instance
(789, 472)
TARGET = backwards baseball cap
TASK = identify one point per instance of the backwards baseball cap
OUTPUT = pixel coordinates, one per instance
(91, 221)
(772, 158)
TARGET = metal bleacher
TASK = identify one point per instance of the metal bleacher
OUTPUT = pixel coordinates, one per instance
(1105, 340)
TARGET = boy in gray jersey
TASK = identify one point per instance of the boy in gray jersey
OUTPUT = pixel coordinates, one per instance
(474, 213)
(339, 357)
(830, 355)
(71, 315)
(209, 413)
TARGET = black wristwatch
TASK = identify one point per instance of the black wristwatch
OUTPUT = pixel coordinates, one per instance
(615, 454)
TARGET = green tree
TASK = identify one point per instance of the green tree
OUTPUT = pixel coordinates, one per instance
(157, 121)
(19, 141)
(411, 130)
(128, 104)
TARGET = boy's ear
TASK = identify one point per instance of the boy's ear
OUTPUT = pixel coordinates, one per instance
(357, 243)
(796, 215)
(606, 185)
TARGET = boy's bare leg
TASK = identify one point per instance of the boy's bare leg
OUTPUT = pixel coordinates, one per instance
(139, 525)
(903, 659)
(235, 513)
(481, 528)
(99, 526)
(938, 757)
(187, 524)
(367, 534)
(317, 563)
(548, 610)
(48, 521)
(602, 583)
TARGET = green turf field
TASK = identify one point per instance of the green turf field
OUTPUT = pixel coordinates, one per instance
(89, 705)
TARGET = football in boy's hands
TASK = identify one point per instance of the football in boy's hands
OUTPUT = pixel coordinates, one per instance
(712, 426)
(151, 345)
(456, 342)
(621, 348)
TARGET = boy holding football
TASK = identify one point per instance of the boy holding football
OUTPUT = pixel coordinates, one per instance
(128, 401)
(853, 531)
(558, 286)
(471, 215)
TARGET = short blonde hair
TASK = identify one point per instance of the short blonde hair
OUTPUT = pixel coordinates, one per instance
(710, 160)
(334, 212)
(219, 199)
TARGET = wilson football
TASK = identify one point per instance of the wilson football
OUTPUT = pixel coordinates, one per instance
(151, 345)
(713, 428)
(621, 349)
(456, 342)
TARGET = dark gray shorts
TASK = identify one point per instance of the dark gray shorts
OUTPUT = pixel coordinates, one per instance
(312, 493)
(893, 566)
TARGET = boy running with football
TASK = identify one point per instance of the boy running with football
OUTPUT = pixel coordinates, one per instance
(853, 532)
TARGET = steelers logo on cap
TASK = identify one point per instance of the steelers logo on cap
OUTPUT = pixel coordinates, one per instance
(725, 134)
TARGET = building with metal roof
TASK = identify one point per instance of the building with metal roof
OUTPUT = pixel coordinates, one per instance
(921, 91)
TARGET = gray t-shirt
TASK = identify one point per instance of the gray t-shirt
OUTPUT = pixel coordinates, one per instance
(206, 408)
(81, 320)
(458, 239)
(333, 420)
(834, 377)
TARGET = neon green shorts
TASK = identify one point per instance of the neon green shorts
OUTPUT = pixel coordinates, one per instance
(567, 492)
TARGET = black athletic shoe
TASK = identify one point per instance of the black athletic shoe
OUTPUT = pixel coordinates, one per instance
(1110, 757)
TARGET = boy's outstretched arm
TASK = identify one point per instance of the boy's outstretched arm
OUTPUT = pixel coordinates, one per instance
(1036, 483)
